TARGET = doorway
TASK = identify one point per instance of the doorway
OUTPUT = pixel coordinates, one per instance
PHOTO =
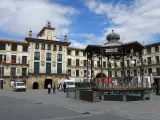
(35, 85)
(46, 82)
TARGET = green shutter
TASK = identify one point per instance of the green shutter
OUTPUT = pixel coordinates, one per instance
(59, 68)
(36, 67)
(48, 67)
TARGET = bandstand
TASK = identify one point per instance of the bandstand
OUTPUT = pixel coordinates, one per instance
(114, 50)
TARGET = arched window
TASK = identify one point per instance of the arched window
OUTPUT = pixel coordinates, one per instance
(43, 46)
(37, 46)
(60, 48)
(54, 48)
(49, 47)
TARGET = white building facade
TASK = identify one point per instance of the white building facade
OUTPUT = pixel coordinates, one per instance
(45, 59)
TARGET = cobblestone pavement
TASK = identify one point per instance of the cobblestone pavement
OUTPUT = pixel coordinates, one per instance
(65, 108)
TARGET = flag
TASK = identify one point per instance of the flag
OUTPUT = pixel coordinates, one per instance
(12, 61)
(3, 61)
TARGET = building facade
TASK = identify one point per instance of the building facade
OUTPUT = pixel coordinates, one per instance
(45, 59)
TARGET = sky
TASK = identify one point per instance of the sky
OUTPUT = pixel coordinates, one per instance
(83, 21)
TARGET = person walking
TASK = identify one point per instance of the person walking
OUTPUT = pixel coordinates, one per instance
(64, 86)
(49, 88)
(54, 87)
(60, 87)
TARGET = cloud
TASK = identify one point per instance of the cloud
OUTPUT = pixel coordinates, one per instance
(87, 39)
(137, 21)
(18, 16)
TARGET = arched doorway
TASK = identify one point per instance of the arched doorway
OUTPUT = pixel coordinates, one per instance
(99, 79)
(46, 82)
(35, 85)
(101, 75)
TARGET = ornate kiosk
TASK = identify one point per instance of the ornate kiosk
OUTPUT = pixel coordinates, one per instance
(114, 50)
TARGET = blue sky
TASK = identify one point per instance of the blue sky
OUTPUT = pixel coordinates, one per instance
(84, 21)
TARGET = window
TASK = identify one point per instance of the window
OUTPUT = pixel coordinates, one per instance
(92, 73)
(77, 53)
(36, 55)
(128, 72)
(13, 58)
(115, 73)
(48, 56)
(84, 63)
(1, 72)
(69, 72)
(2, 46)
(69, 62)
(104, 64)
(4, 57)
(157, 59)
(24, 72)
(149, 60)
(13, 72)
(68, 52)
(49, 47)
(54, 48)
(98, 64)
(156, 48)
(59, 68)
(24, 59)
(115, 65)
(149, 50)
(37, 46)
(135, 72)
(77, 73)
(60, 48)
(110, 73)
(128, 63)
(36, 67)
(14, 48)
(85, 73)
(77, 62)
(25, 48)
(158, 71)
(84, 53)
(59, 58)
(109, 65)
(48, 67)
(43, 47)
(149, 71)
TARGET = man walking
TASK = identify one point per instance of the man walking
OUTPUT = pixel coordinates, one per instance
(54, 87)
(64, 86)
(49, 88)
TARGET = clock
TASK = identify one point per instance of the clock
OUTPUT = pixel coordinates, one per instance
(49, 33)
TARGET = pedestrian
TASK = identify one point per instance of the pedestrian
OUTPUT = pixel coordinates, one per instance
(54, 87)
(64, 86)
(49, 88)
(60, 87)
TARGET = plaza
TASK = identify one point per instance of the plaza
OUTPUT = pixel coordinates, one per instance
(38, 105)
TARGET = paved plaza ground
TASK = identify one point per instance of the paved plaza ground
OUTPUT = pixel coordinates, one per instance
(38, 105)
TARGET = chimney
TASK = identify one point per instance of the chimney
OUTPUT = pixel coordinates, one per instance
(65, 38)
(30, 33)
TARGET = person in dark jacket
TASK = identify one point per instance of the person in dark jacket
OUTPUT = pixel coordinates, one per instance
(64, 86)
(54, 87)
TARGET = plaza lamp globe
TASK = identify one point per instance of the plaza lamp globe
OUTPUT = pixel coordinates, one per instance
(132, 62)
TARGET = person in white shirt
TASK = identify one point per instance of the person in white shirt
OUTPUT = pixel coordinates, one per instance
(49, 88)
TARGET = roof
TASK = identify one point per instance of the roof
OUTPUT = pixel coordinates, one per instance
(73, 48)
(49, 28)
(47, 41)
(18, 42)
(96, 49)
(153, 44)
